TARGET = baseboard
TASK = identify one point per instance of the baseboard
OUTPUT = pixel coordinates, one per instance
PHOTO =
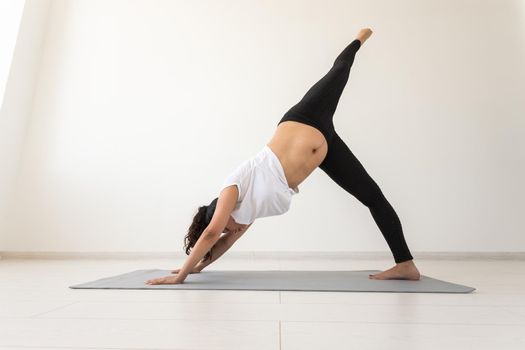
(267, 255)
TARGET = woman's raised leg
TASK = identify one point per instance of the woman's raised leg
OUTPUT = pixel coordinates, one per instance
(320, 101)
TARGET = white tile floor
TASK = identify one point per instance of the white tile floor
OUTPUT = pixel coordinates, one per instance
(39, 311)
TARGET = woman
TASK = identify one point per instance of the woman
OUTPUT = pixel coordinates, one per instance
(264, 185)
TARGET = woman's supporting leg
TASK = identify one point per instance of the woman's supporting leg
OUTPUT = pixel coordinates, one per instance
(342, 166)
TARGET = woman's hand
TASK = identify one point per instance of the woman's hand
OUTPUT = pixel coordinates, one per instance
(165, 280)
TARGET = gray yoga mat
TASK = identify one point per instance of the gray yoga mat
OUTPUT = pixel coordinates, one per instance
(319, 281)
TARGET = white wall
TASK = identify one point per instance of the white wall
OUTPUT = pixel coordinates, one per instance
(22, 25)
(10, 16)
(142, 108)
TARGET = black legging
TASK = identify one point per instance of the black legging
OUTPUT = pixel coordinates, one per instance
(316, 109)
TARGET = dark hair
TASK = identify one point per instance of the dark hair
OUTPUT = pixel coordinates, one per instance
(201, 220)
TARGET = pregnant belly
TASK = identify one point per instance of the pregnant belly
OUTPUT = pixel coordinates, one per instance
(301, 149)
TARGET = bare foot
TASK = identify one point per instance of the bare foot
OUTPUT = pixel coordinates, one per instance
(364, 34)
(406, 270)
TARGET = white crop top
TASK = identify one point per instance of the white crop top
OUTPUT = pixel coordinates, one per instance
(262, 185)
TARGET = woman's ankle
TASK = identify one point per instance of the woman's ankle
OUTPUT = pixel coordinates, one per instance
(406, 262)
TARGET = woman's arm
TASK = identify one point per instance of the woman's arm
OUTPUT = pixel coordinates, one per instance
(212, 233)
(207, 239)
